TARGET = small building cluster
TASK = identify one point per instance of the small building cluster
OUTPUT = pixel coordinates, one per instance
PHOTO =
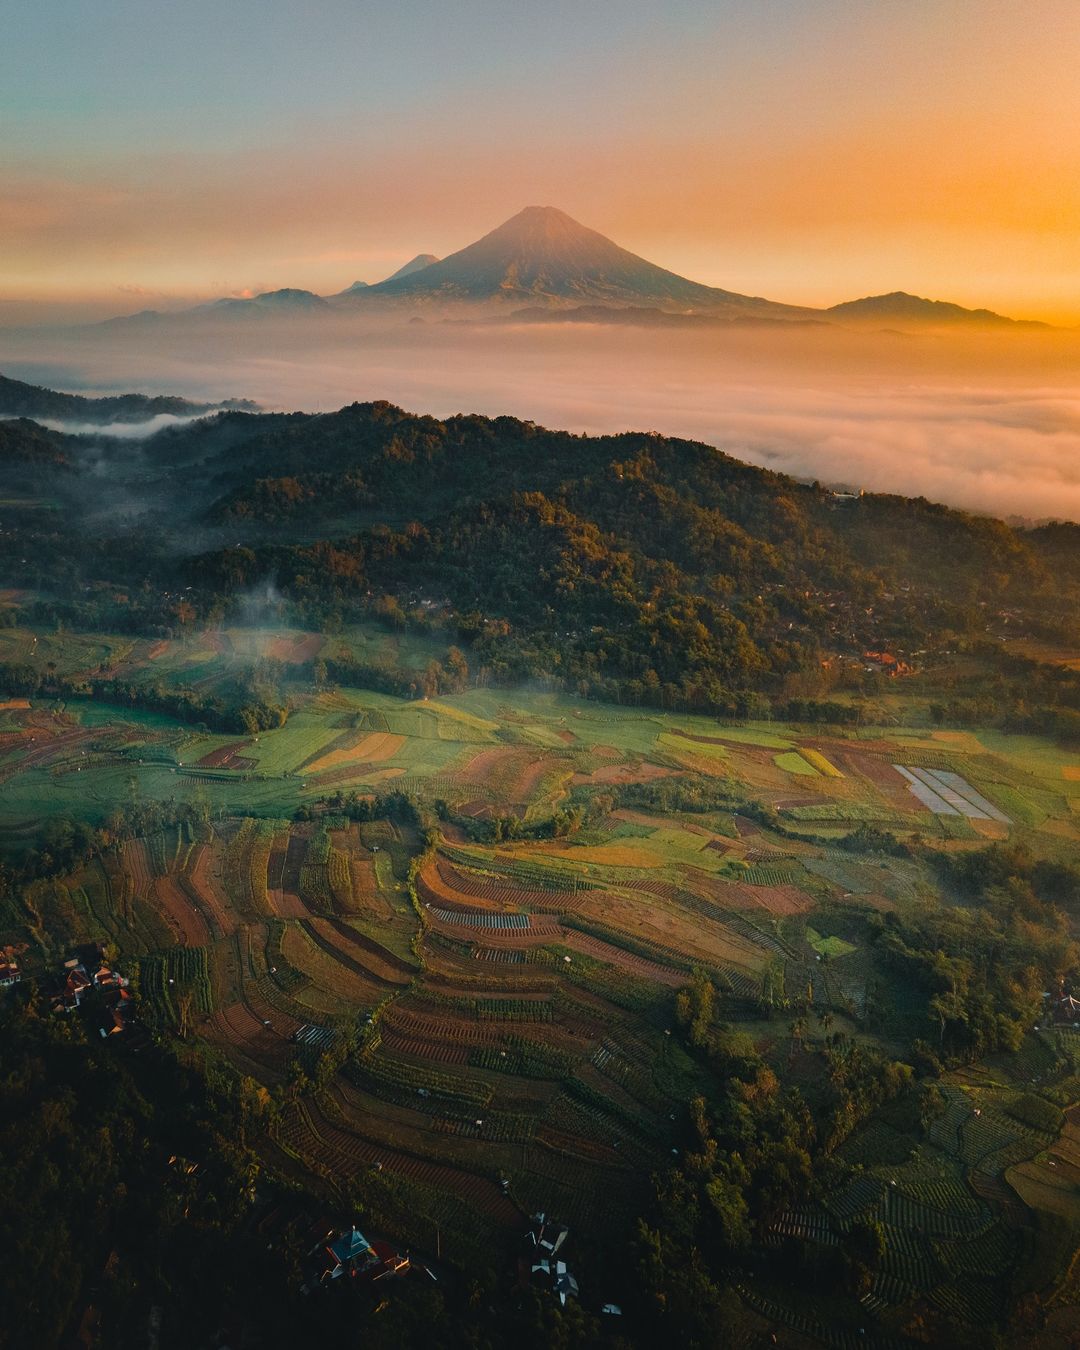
(349, 1255)
(86, 972)
(1060, 1007)
(543, 1241)
(10, 974)
(1069, 1008)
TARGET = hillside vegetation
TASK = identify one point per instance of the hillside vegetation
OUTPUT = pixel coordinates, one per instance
(637, 567)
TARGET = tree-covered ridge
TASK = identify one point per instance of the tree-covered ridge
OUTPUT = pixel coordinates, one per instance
(633, 566)
(23, 444)
(18, 399)
(665, 503)
(705, 574)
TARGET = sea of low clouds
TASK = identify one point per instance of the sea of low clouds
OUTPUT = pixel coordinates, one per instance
(989, 423)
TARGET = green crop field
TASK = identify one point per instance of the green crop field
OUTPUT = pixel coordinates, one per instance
(512, 953)
(792, 762)
(828, 946)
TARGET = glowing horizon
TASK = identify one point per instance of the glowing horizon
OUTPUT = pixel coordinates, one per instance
(810, 152)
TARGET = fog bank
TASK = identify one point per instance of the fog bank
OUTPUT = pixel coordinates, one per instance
(987, 421)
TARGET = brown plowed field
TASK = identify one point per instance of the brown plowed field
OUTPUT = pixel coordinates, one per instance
(61, 746)
(350, 1151)
(509, 775)
(502, 892)
(227, 757)
(294, 861)
(643, 772)
(628, 961)
(178, 911)
(357, 749)
(358, 953)
(207, 889)
(137, 866)
(541, 929)
(287, 906)
(239, 1026)
(736, 895)
(298, 651)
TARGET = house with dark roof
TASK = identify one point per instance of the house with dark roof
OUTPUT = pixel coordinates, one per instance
(542, 1243)
(75, 986)
(343, 1255)
(82, 973)
(350, 1255)
(546, 1236)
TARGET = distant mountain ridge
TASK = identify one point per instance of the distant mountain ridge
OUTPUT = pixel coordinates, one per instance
(288, 298)
(542, 260)
(902, 305)
(542, 255)
(416, 264)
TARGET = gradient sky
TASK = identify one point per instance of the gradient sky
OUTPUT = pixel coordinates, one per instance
(154, 152)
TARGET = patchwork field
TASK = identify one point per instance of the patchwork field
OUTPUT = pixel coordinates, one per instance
(484, 1010)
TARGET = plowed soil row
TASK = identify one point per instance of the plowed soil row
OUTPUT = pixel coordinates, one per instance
(539, 932)
(394, 965)
(60, 746)
(137, 866)
(225, 757)
(294, 861)
(345, 946)
(348, 1151)
(206, 891)
(437, 1052)
(736, 895)
(504, 892)
(237, 1026)
(183, 918)
(615, 956)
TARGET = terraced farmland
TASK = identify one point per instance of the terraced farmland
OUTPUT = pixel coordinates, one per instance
(480, 1006)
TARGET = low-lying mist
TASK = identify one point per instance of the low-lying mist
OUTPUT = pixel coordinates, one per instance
(989, 421)
(121, 431)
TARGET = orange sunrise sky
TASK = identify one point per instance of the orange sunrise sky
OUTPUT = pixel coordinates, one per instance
(811, 151)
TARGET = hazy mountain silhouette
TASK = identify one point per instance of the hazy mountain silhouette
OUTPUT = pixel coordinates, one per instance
(416, 264)
(283, 303)
(286, 299)
(901, 306)
(542, 256)
(541, 260)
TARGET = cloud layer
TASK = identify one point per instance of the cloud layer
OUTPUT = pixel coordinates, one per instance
(992, 425)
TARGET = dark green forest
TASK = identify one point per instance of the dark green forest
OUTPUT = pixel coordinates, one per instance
(634, 568)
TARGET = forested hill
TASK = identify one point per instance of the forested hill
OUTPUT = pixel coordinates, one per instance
(636, 565)
(566, 531)
(30, 400)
